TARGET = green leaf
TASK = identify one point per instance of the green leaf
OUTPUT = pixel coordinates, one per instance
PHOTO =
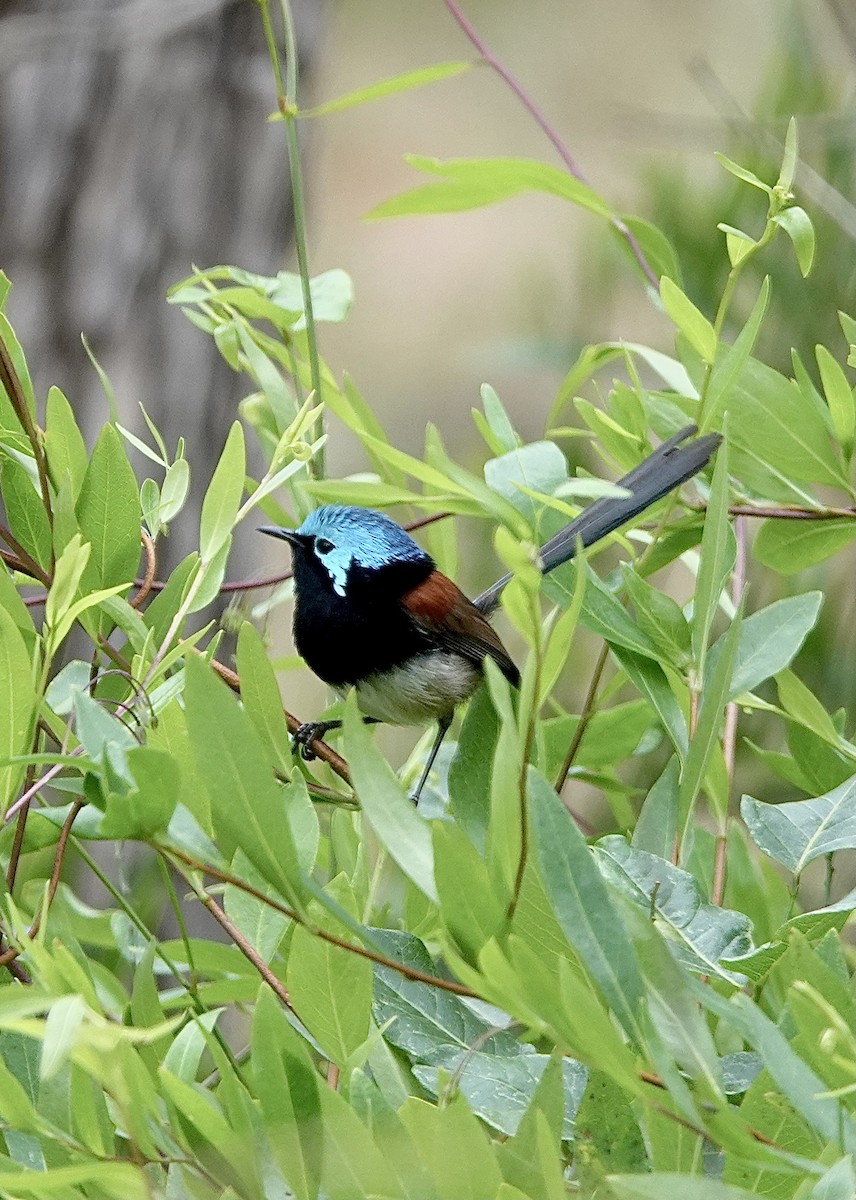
(838, 1183)
(790, 158)
(472, 912)
(176, 485)
(798, 226)
(109, 516)
(331, 988)
(730, 364)
(839, 397)
(110, 1179)
(404, 834)
(441, 1034)
(582, 903)
(699, 934)
(802, 1088)
(260, 923)
(796, 446)
(601, 611)
(689, 320)
(65, 448)
(469, 183)
(611, 735)
(538, 467)
(11, 602)
(660, 1184)
(497, 418)
(261, 698)
(470, 771)
(791, 546)
(531, 1159)
(499, 1088)
(246, 802)
(223, 497)
(64, 1019)
(650, 680)
(448, 1137)
(187, 1047)
(18, 702)
(717, 687)
(718, 553)
(388, 87)
(609, 1128)
(148, 810)
(769, 640)
(657, 826)
(660, 618)
(25, 512)
(19, 362)
(743, 173)
(797, 833)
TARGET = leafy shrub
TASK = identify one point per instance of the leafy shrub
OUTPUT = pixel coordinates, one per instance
(470, 999)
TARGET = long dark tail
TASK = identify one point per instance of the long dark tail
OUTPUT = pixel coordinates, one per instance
(668, 467)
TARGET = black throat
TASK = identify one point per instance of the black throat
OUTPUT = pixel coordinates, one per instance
(343, 639)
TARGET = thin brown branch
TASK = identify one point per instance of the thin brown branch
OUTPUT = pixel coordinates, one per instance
(25, 562)
(59, 856)
(8, 956)
(151, 568)
(657, 1082)
(15, 854)
(589, 709)
(784, 512)
(247, 949)
(490, 59)
(446, 985)
(319, 748)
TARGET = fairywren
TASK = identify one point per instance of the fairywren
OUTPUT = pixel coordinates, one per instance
(373, 612)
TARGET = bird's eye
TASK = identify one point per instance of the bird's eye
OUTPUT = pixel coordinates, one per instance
(323, 546)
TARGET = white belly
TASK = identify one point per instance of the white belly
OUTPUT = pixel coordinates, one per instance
(428, 688)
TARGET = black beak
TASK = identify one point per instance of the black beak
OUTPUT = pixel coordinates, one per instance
(288, 535)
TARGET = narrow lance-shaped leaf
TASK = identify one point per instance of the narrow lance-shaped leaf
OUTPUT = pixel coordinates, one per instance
(388, 87)
(246, 802)
(582, 903)
(109, 515)
(223, 497)
(331, 988)
(474, 183)
(690, 321)
(405, 835)
(839, 397)
(717, 686)
(25, 512)
(718, 552)
(17, 704)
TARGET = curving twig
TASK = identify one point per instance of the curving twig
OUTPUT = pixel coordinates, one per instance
(490, 59)
(446, 985)
(145, 585)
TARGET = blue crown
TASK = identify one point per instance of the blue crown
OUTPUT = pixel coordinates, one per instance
(370, 539)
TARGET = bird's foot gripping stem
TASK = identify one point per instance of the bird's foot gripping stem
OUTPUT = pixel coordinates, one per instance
(308, 732)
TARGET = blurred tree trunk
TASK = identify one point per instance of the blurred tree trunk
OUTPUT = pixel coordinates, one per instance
(133, 144)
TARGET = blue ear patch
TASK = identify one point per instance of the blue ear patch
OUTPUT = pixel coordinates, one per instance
(346, 535)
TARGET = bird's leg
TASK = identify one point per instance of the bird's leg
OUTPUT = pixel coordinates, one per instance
(442, 730)
(307, 733)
